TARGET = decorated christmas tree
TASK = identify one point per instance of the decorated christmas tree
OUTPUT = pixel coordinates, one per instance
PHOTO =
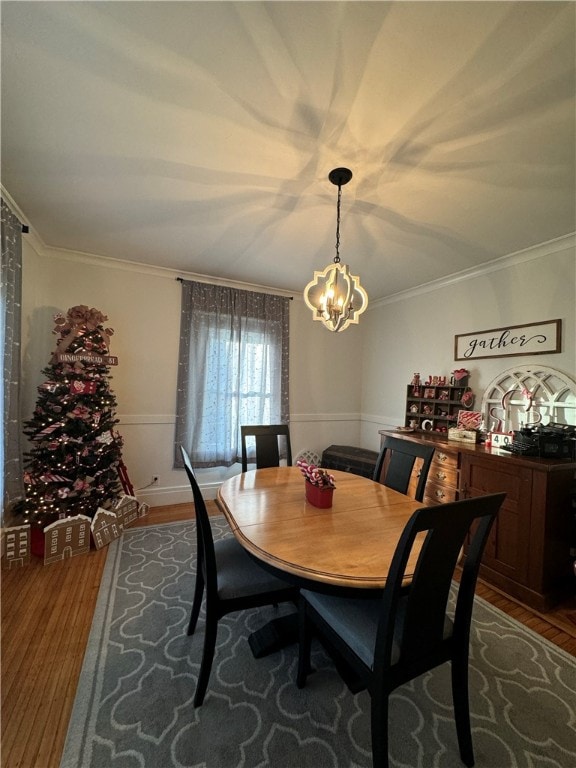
(74, 464)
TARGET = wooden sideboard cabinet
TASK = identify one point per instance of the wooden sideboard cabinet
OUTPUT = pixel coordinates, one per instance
(443, 477)
(528, 553)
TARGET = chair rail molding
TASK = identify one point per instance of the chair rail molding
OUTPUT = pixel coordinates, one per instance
(146, 418)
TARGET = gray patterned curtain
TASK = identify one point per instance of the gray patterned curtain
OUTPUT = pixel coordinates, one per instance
(10, 312)
(232, 369)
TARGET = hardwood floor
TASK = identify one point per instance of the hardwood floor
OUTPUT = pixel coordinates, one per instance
(46, 616)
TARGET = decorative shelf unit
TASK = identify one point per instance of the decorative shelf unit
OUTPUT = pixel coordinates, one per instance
(435, 408)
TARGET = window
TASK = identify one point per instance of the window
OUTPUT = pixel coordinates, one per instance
(232, 370)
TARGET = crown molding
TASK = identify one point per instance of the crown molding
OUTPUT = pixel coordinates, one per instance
(166, 273)
(32, 237)
(16, 210)
(564, 243)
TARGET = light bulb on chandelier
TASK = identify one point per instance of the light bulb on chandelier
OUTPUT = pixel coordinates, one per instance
(336, 297)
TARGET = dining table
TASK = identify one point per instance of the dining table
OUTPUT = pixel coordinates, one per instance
(347, 545)
(344, 549)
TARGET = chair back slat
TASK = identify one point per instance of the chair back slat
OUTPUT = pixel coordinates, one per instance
(396, 461)
(272, 444)
(267, 451)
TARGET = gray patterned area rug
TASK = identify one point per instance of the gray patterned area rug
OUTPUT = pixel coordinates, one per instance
(134, 709)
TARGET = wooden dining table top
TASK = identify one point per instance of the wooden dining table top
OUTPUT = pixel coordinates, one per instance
(350, 544)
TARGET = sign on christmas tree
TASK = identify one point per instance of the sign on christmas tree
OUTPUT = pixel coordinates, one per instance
(75, 456)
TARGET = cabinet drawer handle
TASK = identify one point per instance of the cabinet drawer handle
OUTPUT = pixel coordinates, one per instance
(440, 475)
(442, 457)
(439, 494)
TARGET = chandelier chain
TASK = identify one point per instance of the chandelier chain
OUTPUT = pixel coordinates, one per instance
(337, 257)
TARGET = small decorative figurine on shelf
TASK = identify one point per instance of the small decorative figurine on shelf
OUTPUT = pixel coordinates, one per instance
(435, 381)
(459, 377)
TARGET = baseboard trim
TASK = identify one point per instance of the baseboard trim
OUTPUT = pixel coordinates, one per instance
(160, 497)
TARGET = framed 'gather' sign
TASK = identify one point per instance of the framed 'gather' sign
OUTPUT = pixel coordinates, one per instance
(543, 338)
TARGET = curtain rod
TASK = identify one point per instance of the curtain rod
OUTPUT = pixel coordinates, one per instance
(183, 279)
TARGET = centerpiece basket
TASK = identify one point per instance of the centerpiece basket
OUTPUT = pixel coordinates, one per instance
(319, 484)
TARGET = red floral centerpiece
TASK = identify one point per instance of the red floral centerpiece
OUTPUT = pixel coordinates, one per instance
(319, 484)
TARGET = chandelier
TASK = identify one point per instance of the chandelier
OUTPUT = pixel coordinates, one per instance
(336, 297)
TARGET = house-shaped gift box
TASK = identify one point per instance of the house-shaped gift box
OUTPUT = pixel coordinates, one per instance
(66, 538)
(106, 526)
(127, 510)
(16, 546)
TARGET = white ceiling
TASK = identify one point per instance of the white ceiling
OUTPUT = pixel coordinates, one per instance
(199, 135)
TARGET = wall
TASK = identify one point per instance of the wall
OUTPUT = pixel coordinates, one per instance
(343, 387)
(143, 306)
(415, 332)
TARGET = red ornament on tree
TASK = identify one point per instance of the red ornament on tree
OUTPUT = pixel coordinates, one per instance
(79, 387)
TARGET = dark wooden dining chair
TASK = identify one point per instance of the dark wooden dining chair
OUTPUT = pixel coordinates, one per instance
(231, 579)
(272, 440)
(396, 461)
(390, 639)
